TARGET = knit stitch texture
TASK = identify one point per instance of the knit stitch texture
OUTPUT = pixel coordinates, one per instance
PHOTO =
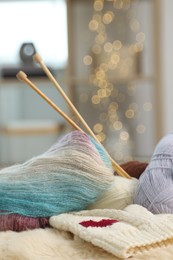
(155, 187)
(132, 231)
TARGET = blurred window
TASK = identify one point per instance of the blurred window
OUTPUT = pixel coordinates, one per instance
(44, 23)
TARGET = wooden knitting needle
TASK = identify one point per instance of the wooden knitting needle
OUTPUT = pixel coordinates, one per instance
(37, 58)
(23, 77)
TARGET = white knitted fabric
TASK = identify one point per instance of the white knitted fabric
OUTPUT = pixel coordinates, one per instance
(136, 231)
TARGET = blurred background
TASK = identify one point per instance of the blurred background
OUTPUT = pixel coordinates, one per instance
(113, 58)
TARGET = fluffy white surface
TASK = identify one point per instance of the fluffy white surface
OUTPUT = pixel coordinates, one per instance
(48, 244)
(51, 244)
(57, 244)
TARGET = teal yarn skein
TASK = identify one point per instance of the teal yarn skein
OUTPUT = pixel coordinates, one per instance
(155, 188)
(72, 174)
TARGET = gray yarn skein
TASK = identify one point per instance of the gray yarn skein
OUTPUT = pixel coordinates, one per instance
(155, 188)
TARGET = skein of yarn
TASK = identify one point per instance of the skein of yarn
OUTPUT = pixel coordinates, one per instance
(17, 223)
(118, 196)
(72, 174)
(134, 168)
(155, 188)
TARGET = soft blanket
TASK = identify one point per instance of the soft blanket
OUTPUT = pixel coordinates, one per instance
(94, 234)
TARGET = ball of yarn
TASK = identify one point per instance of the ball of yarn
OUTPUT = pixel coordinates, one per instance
(118, 196)
(134, 168)
(72, 174)
(155, 188)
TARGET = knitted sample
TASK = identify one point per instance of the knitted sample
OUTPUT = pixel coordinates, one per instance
(72, 174)
(155, 188)
(124, 233)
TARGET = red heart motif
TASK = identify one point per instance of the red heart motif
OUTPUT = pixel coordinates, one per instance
(100, 223)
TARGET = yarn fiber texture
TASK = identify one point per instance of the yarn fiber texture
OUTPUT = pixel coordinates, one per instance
(155, 188)
(17, 223)
(118, 196)
(134, 168)
(72, 174)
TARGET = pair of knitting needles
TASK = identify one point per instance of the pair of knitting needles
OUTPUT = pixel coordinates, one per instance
(23, 77)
